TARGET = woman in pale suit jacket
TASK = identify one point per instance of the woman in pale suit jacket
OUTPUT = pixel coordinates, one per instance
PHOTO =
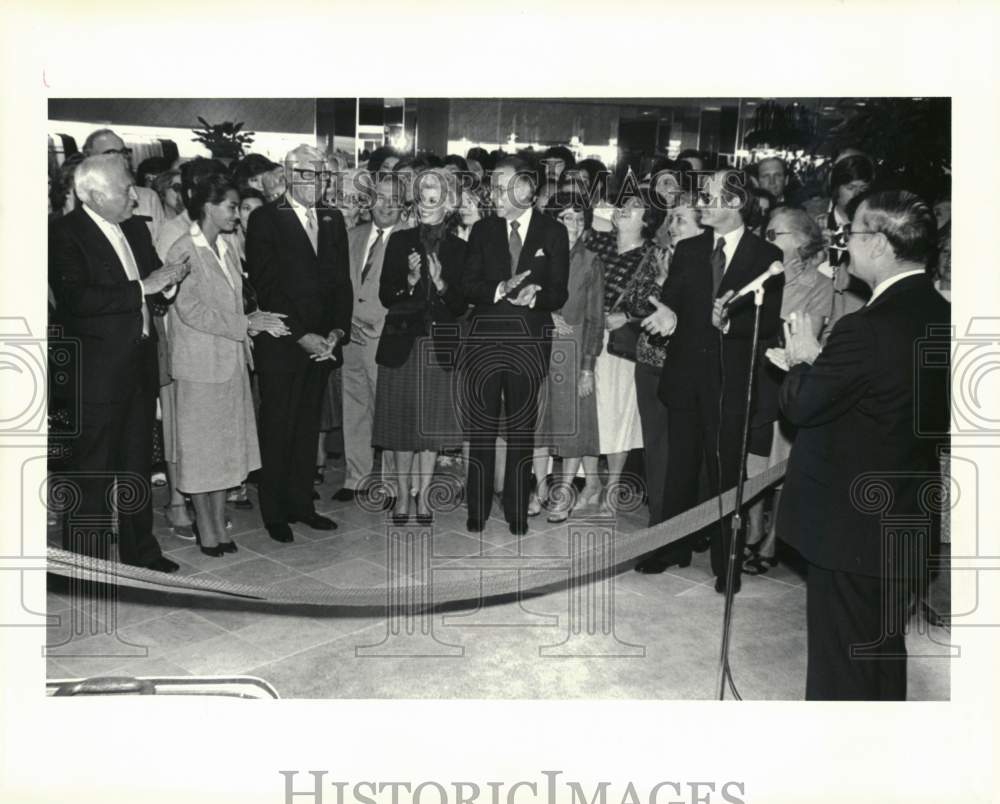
(216, 434)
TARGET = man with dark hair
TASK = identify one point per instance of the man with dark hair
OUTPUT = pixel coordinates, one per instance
(557, 159)
(297, 259)
(773, 177)
(872, 416)
(516, 275)
(705, 273)
(259, 173)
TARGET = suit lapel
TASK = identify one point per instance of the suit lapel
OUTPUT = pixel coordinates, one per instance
(92, 232)
(294, 229)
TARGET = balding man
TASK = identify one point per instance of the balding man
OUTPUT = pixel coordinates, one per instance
(148, 207)
(297, 260)
(106, 279)
(872, 412)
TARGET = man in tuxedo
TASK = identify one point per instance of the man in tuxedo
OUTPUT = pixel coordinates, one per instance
(872, 416)
(366, 245)
(297, 261)
(516, 274)
(107, 280)
(708, 356)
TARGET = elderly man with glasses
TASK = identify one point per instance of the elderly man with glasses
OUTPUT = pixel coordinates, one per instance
(298, 262)
(149, 208)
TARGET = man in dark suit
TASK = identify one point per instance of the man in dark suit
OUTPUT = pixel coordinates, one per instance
(862, 453)
(708, 355)
(516, 273)
(297, 260)
(107, 280)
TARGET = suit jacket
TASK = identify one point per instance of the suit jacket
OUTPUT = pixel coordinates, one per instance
(691, 368)
(545, 253)
(368, 312)
(208, 330)
(424, 303)
(860, 450)
(312, 288)
(101, 307)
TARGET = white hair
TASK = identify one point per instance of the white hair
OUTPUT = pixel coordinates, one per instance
(94, 174)
(93, 136)
(306, 154)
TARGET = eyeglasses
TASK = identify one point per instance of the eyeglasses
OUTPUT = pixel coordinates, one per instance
(772, 235)
(176, 188)
(119, 151)
(848, 233)
(312, 175)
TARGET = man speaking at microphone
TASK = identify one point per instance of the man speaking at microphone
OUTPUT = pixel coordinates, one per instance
(872, 412)
(709, 355)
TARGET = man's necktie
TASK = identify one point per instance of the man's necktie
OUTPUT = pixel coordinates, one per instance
(373, 252)
(311, 229)
(515, 246)
(132, 272)
(718, 265)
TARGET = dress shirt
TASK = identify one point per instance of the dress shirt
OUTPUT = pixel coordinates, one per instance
(301, 213)
(372, 236)
(732, 241)
(199, 239)
(885, 284)
(522, 230)
(113, 232)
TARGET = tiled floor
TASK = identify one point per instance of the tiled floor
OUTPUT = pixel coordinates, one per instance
(659, 640)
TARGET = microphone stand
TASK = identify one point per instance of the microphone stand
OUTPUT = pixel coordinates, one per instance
(725, 673)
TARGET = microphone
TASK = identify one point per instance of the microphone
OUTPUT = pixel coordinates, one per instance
(758, 283)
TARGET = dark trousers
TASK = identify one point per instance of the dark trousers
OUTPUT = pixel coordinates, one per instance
(855, 635)
(115, 443)
(520, 412)
(653, 417)
(691, 438)
(290, 405)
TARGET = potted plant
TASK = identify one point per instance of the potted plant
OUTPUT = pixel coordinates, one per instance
(226, 141)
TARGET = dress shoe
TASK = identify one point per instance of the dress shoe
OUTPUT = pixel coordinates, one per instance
(473, 525)
(317, 522)
(662, 560)
(228, 547)
(701, 543)
(164, 564)
(518, 528)
(280, 532)
(215, 551)
(720, 584)
(344, 495)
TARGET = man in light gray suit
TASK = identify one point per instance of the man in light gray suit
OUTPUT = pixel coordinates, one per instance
(366, 244)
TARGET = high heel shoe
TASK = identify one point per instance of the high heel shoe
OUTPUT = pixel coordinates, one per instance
(214, 552)
(228, 547)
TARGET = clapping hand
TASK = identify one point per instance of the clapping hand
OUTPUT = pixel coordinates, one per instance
(166, 276)
(720, 316)
(260, 321)
(414, 264)
(434, 270)
(662, 321)
(514, 282)
(801, 345)
(527, 296)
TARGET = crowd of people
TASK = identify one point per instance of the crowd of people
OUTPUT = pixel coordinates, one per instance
(533, 312)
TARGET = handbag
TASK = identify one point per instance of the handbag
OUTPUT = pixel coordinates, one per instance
(624, 341)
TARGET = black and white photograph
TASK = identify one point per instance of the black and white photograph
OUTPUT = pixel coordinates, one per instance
(498, 407)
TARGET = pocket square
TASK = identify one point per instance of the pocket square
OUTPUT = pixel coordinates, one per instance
(540, 252)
